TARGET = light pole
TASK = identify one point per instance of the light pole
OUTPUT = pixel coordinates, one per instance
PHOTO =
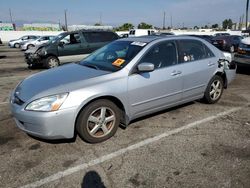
(66, 21)
(247, 14)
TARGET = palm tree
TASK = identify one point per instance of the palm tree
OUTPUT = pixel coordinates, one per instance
(247, 14)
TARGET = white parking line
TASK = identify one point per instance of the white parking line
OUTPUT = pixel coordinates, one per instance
(110, 156)
(3, 103)
(21, 76)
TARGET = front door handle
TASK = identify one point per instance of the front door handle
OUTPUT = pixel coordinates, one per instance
(175, 73)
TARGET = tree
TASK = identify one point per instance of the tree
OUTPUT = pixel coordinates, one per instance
(214, 26)
(97, 24)
(143, 25)
(196, 27)
(125, 27)
(227, 24)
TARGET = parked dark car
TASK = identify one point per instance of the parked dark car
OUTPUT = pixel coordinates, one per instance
(228, 43)
(208, 38)
(242, 57)
(1, 41)
(68, 47)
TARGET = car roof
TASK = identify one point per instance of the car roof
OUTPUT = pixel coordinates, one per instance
(150, 38)
(89, 30)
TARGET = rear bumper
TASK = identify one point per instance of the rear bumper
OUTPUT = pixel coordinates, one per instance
(242, 59)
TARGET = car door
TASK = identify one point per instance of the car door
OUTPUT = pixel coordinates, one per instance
(197, 64)
(151, 91)
(70, 48)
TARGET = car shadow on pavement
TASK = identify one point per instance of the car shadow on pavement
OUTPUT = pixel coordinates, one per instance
(55, 141)
(92, 179)
(243, 70)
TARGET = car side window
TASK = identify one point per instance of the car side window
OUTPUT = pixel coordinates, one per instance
(25, 38)
(208, 52)
(192, 50)
(92, 37)
(161, 55)
(73, 38)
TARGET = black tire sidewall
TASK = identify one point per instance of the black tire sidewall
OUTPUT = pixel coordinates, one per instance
(207, 96)
(81, 123)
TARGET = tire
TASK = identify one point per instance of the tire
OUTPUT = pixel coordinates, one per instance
(232, 49)
(51, 62)
(30, 46)
(214, 90)
(16, 45)
(94, 127)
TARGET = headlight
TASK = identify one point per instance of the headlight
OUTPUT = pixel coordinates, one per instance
(47, 104)
(42, 51)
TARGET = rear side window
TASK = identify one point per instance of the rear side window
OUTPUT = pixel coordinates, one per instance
(95, 37)
(192, 50)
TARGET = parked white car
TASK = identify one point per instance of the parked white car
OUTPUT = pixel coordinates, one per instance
(37, 42)
(141, 32)
(16, 42)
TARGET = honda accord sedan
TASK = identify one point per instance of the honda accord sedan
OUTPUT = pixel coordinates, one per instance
(124, 80)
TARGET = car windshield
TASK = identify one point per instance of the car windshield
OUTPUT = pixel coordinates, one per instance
(56, 38)
(113, 56)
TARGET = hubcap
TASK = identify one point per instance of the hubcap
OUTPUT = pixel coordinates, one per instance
(100, 122)
(53, 62)
(216, 89)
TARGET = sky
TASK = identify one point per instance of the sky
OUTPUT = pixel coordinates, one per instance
(116, 12)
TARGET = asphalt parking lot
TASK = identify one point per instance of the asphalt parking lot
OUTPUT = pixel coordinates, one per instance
(193, 145)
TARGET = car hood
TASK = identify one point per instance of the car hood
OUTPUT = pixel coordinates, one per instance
(54, 81)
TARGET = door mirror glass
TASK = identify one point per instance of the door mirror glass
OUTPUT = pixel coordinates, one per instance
(61, 44)
(145, 67)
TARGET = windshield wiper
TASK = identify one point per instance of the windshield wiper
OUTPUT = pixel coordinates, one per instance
(91, 66)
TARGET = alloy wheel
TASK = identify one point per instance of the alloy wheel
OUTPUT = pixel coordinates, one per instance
(101, 122)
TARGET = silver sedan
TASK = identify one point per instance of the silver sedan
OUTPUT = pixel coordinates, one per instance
(124, 80)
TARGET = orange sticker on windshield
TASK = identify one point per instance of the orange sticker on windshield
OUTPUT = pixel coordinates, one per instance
(118, 62)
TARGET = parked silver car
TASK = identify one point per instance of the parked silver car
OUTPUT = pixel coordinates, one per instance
(16, 42)
(123, 80)
(36, 42)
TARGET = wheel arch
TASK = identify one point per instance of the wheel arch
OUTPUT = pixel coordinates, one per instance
(115, 100)
(224, 78)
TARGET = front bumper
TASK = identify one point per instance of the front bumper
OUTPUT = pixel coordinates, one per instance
(47, 125)
(33, 58)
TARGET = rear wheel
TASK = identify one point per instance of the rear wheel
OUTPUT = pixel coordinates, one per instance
(51, 62)
(98, 121)
(214, 90)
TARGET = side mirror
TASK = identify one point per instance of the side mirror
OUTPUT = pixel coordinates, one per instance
(61, 44)
(146, 67)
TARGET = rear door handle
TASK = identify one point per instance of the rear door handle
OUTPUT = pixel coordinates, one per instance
(175, 73)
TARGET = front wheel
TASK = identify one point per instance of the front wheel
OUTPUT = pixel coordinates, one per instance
(17, 45)
(30, 46)
(214, 90)
(98, 121)
(232, 49)
(51, 62)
